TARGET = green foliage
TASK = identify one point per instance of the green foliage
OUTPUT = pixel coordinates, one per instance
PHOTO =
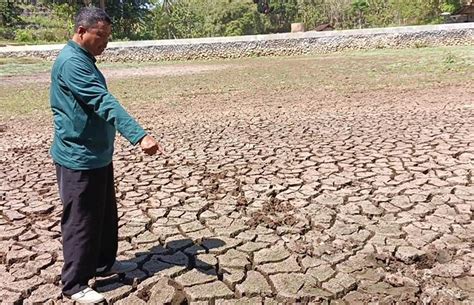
(7, 33)
(182, 20)
(283, 13)
(449, 58)
(186, 20)
(420, 45)
(311, 13)
(9, 14)
(43, 35)
(130, 20)
(206, 18)
(359, 8)
(25, 35)
(169, 19)
(65, 13)
(39, 24)
(380, 13)
(233, 18)
(450, 6)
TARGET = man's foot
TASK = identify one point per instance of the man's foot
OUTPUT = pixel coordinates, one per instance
(87, 296)
(117, 268)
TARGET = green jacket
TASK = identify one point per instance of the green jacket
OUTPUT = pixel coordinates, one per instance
(86, 116)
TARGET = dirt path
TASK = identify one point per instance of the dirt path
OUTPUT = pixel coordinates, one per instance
(120, 73)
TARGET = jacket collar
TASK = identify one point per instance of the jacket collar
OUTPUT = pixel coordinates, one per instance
(77, 47)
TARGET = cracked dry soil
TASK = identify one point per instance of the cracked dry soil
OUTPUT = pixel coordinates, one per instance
(311, 197)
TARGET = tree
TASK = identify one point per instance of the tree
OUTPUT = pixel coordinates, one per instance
(359, 7)
(450, 6)
(181, 19)
(9, 14)
(233, 18)
(282, 14)
(168, 19)
(312, 13)
(338, 12)
(131, 19)
(380, 13)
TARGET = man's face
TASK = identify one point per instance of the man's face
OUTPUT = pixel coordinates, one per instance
(95, 38)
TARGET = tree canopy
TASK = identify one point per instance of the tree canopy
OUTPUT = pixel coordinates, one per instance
(51, 20)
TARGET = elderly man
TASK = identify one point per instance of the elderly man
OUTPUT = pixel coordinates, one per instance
(86, 118)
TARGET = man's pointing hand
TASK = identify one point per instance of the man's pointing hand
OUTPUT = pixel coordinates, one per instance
(150, 146)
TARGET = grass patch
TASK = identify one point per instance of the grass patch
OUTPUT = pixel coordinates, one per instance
(286, 77)
(23, 66)
(30, 100)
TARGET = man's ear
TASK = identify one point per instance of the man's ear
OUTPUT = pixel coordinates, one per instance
(81, 30)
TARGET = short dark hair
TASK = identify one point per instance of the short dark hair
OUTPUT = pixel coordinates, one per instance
(90, 16)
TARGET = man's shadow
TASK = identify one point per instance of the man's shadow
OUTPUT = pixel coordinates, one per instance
(176, 258)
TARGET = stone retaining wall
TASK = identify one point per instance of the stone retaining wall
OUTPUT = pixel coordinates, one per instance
(269, 45)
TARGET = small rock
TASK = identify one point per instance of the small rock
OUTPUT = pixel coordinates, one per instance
(321, 273)
(232, 276)
(44, 293)
(340, 284)
(286, 266)
(196, 277)
(409, 254)
(234, 259)
(208, 291)
(114, 291)
(241, 301)
(161, 292)
(269, 255)
(131, 299)
(449, 270)
(254, 285)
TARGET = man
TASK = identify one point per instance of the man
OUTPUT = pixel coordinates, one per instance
(86, 117)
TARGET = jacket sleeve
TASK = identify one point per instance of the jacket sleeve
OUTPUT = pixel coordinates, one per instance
(88, 89)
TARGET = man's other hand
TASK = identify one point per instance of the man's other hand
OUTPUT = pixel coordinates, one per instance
(150, 146)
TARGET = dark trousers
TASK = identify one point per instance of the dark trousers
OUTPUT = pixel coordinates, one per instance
(88, 224)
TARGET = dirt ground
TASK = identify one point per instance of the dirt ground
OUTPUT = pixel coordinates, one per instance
(342, 179)
(120, 72)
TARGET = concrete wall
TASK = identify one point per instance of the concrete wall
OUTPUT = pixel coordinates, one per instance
(269, 45)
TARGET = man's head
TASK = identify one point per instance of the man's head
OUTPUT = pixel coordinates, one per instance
(92, 29)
